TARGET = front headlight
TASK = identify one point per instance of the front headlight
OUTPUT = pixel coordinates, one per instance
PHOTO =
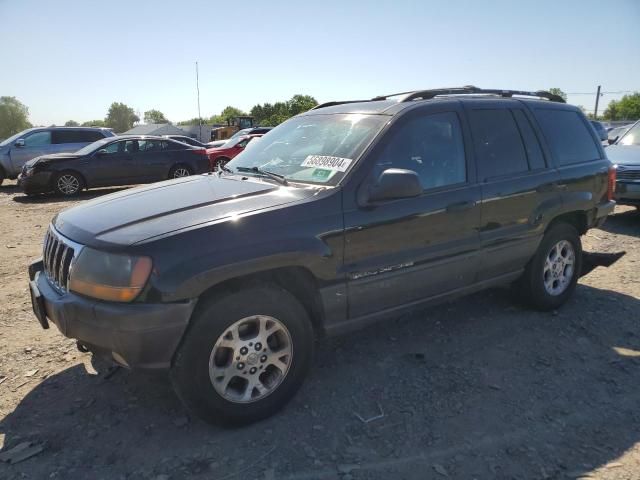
(109, 276)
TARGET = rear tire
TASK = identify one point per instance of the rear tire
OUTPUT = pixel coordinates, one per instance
(552, 274)
(180, 170)
(244, 356)
(68, 183)
(2, 175)
(220, 162)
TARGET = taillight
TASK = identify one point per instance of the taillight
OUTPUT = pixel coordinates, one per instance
(611, 182)
(199, 151)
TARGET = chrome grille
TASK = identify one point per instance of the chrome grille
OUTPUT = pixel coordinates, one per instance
(624, 174)
(57, 255)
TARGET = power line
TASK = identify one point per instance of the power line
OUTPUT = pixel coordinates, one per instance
(601, 93)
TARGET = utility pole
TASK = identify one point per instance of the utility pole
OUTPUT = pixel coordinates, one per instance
(200, 118)
(595, 113)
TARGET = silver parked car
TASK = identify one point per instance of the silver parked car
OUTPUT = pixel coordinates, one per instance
(17, 150)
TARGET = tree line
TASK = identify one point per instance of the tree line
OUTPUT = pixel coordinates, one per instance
(14, 115)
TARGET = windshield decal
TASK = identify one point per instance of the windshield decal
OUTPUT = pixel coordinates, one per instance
(327, 162)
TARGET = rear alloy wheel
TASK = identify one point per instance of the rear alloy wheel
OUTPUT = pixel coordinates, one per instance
(244, 356)
(220, 162)
(68, 184)
(180, 171)
(552, 274)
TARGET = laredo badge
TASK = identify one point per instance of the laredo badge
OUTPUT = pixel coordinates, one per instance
(327, 162)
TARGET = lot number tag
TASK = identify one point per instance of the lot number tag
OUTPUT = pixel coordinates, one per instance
(327, 162)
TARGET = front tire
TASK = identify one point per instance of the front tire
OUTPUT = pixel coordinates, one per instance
(68, 184)
(552, 274)
(244, 356)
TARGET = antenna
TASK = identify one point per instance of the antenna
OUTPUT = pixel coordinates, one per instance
(198, 90)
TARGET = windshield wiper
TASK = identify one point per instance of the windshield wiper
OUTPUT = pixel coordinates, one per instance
(275, 176)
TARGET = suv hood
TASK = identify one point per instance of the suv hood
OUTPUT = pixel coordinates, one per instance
(140, 214)
(624, 154)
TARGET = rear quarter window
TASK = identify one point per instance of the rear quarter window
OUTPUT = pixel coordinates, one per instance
(568, 136)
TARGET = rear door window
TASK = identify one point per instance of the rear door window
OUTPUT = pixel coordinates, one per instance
(531, 143)
(498, 144)
(568, 136)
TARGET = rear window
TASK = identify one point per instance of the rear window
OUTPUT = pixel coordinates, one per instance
(76, 136)
(497, 143)
(568, 136)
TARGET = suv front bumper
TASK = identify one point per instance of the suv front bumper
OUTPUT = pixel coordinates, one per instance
(135, 335)
(628, 193)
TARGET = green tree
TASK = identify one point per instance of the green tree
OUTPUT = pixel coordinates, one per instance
(627, 108)
(94, 123)
(155, 116)
(273, 114)
(14, 116)
(227, 114)
(557, 91)
(71, 123)
(193, 121)
(301, 103)
(120, 117)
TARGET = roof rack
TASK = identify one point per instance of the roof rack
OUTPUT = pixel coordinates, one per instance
(470, 90)
(466, 90)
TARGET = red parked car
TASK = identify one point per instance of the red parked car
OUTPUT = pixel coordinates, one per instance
(220, 156)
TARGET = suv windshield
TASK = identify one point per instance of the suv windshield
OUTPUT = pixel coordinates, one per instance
(313, 148)
(632, 137)
(93, 146)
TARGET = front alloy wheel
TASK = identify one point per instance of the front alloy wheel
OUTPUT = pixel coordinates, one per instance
(251, 359)
(68, 184)
(244, 355)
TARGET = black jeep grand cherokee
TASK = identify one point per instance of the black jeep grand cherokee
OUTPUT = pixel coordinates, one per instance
(348, 213)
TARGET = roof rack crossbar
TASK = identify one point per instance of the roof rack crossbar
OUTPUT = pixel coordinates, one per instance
(471, 90)
(331, 104)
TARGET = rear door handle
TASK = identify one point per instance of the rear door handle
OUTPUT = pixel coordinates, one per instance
(460, 206)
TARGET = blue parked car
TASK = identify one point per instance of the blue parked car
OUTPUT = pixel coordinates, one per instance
(17, 150)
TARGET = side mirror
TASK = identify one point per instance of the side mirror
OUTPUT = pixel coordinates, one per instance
(101, 152)
(613, 140)
(19, 142)
(395, 183)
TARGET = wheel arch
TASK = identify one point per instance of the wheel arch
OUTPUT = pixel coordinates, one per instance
(577, 219)
(298, 281)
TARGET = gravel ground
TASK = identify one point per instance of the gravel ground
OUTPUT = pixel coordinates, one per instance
(478, 388)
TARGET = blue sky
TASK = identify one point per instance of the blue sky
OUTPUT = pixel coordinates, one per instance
(71, 59)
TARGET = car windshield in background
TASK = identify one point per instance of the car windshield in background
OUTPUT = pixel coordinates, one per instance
(87, 149)
(240, 133)
(632, 137)
(313, 148)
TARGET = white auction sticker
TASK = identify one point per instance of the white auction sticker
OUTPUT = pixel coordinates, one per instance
(328, 162)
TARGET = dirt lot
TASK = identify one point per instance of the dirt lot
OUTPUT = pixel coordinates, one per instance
(480, 388)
